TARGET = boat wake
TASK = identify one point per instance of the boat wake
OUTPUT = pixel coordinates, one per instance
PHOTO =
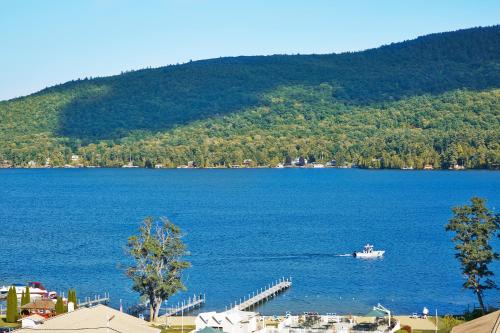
(343, 255)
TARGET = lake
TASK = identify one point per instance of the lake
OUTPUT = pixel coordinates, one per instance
(246, 228)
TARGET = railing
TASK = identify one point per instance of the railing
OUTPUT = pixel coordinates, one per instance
(263, 294)
(186, 306)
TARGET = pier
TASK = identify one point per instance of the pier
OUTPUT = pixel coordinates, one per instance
(89, 301)
(263, 295)
(185, 306)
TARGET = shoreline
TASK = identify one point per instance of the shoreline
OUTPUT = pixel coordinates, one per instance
(242, 168)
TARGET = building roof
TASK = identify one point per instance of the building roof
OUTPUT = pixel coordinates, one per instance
(237, 316)
(94, 320)
(208, 329)
(489, 323)
(40, 304)
(35, 317)
(233, 316)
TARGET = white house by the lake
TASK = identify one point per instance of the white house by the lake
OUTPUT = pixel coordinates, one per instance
(231, 321)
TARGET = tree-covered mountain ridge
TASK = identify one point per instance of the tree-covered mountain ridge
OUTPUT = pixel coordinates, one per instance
(432, 100)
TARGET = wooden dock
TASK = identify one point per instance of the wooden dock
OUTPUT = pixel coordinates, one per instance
(98, 299)
(186, 306)
(264, 294)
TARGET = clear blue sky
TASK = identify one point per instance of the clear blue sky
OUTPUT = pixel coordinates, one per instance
(48, 42)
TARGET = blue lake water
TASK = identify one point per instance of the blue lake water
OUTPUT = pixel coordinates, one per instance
(246, 228)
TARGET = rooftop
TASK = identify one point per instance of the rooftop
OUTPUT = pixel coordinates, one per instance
(489, 323)
(95, 320)
(40, 304)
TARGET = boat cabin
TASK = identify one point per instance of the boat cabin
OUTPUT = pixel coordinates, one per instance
(38, 285)
(368, 248)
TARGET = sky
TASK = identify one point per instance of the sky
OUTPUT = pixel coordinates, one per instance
(43, 43)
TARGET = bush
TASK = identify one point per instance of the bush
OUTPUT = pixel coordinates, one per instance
(448, 322)
(404, 329)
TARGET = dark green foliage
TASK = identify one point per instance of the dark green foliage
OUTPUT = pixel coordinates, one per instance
(72, 297)
(60, 308)
(474, 226)
(11, 316)
(448, 322)
(307, 121)
(26, 297)
(157, 254)
(401, 104)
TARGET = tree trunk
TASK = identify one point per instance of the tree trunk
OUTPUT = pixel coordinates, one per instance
(479, 294)
(151, 312)
(157, 311)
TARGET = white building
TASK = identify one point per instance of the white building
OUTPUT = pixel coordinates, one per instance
(31, 321)
(231, 321)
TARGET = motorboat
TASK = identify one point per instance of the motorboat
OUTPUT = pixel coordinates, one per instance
(37, 290)
(5, 289)
(368, 253)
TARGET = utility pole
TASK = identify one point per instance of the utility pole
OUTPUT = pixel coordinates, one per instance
(436, 320)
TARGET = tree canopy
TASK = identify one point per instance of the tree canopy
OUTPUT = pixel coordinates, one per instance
(474, 225)
(11, 315)
(432, 100)
(157, 253)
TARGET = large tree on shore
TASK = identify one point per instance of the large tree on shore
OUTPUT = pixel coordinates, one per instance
(157, 254)
(474, 225)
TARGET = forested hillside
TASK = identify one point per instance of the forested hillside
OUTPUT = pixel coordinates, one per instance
(433, 100)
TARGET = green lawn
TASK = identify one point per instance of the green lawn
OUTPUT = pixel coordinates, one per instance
(445, 324)
(178, 329)
(5, 324)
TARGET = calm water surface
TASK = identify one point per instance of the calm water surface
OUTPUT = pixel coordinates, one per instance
(246, 228)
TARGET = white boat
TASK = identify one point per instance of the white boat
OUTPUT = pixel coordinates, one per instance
(129, 165)
(37, 290)
(368, 253)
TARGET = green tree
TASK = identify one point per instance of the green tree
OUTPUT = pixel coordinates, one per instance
(26, 296)
(59, 305)
(474, 226)
(157, 266)
(72, 297)
(448, 322)
(11, 305)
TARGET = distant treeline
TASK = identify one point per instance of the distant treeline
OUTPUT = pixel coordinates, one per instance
(433, 100)
(459, 127)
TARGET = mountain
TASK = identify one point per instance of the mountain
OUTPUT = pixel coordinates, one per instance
(431, 100)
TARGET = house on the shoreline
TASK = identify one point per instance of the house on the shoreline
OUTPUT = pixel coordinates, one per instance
(231, 321)
(97, 319)
(42, 307)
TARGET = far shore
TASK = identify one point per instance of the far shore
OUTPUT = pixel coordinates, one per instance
(239, 168)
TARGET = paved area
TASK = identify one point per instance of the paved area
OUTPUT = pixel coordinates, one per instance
(416, 323)
(177, 320)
